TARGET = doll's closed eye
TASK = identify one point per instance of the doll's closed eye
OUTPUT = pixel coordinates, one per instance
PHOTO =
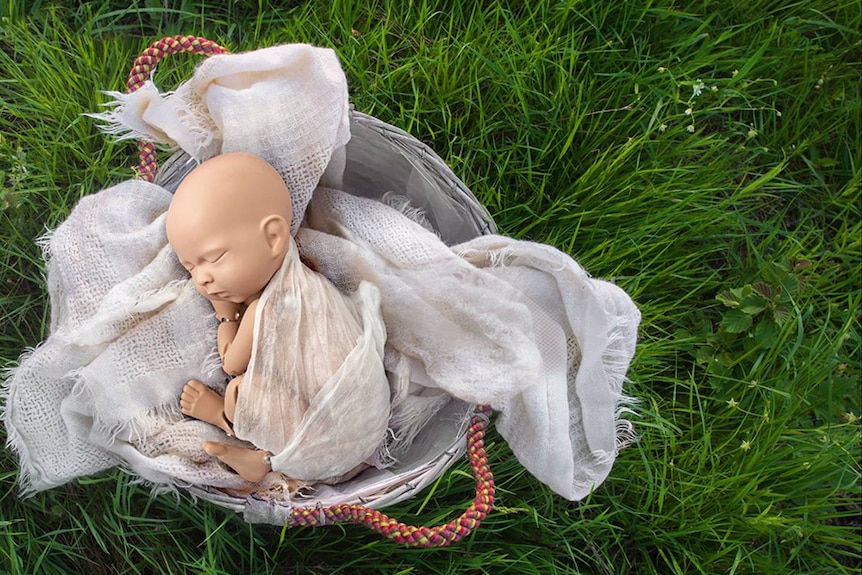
(216, 259)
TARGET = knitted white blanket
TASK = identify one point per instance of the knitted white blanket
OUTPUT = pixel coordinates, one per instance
(515, 325)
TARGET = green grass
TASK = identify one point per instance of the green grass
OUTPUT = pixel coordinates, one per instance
(732, 217)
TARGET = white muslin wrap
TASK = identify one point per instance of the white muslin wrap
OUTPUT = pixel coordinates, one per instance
(516, 325)
(315, 393)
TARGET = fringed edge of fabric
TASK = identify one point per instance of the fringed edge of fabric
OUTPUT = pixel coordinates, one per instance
(382, 456)
(43, 242)
(123, 119)
(405, 423)
(122, 116)
(136, 429)
(401, 204)
(212, 364)
(14, 441)
(625, 404)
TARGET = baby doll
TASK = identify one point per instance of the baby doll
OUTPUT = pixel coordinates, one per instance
(300, 366)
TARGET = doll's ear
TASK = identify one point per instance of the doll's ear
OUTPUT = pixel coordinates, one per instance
(276, 231)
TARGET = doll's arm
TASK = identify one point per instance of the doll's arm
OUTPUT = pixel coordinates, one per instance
(235, 341)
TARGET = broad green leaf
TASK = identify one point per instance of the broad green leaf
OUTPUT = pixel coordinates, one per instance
(780, 314)
(735, 321)
(753, 304)
(728, 298)
(774, 272)
(764, 289)
(790, 283)
(765, 333)
(704, 354)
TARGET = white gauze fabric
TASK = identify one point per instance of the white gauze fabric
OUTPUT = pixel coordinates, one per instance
(287, 104)
(515, 325)
(103, 388)
(127, 329)
(315, 393)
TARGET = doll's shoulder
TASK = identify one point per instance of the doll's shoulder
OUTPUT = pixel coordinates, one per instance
(250, 308)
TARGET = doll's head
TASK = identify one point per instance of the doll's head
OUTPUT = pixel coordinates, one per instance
(229, 224)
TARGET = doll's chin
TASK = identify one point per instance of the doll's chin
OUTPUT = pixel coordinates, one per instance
(226, 297)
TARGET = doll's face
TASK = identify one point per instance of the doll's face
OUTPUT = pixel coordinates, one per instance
(228, 260)
(228, 224)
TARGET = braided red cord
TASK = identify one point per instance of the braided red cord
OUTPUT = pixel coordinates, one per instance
(143, 67)
(439, 536)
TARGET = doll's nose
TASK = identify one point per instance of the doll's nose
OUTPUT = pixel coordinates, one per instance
(202, 276)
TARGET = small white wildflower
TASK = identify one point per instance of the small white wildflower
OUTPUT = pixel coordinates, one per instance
(688, 111)
(745, 445)
(662, 69)
(778, 113)
(690, 129)
(662, 129)
(714, 88)
(697, 89)
(732, 403)
(753, 383)
(734, 73)
(752, 133)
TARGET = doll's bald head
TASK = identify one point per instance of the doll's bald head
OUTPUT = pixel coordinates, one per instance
(229, 223)
(233, 185)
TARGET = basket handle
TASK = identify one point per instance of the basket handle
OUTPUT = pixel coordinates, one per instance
(141, 71)
(438, 536)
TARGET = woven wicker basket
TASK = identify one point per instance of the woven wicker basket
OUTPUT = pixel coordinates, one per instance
(418, 173)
